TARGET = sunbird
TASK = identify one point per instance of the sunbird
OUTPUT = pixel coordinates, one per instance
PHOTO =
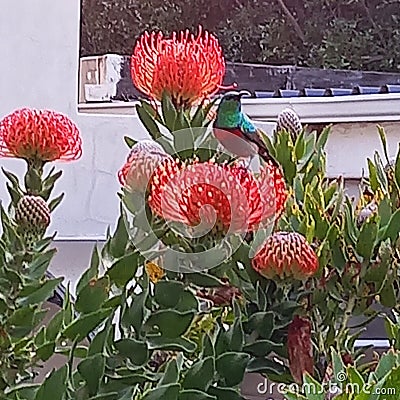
(235, 131)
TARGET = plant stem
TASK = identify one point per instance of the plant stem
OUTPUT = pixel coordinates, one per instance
(345, 321)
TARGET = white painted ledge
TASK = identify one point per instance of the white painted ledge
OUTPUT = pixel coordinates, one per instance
(353, 108)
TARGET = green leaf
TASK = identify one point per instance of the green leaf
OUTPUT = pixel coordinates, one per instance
(373, 175)
(99, 342)
(91, 273)
(123, 270)
(338, 366)
(388, 295)
(231, 367)
(366, 240)
(85, 324)
(172, 344)
(262, 323)
(92, 370)
(148, 121)
(42, 293)
(39, 265)
(387, 362)
(262, 348)
(224, 393)
(171, 373)
(133, 349)
(382, 136)
(134, 314)
(299, 146)
(195, 395)
(55, 202)
(55, 386)
(170, 323)
(21, 321)
(169, 111)
(119, 240)
(397, 167)
(167, 392)
(393, 228)
(314, 390)
(204, 280)
(323, 138)
(93, 295)
(129, 141)
(33, 181)
(54, 326)
(45, 351)
(200, 375)
(168, 293)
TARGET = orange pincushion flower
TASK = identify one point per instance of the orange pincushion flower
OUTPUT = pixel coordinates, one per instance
(285, 254)
(229, 198)
(39, 135)
(143, 159)
(188, 68)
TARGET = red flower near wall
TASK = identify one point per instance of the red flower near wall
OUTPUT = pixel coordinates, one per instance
(300, 348)
(189, 68)
(285, 254)
(228, 198)
(39, 135)
(144, 157)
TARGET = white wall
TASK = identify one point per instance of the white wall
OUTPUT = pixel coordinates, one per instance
(39, 68)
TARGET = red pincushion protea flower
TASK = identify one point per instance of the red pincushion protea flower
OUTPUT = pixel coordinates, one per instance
(300, 348)
(144, 158)
(39, 135)
(285, 254)
(188, 68)
(228, 198)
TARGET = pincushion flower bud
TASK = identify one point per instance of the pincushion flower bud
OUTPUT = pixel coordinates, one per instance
(300, 349)
(144, 158)
(39, 136)
(32, 216)
(288, 120)
(285, 255)
(32, 212)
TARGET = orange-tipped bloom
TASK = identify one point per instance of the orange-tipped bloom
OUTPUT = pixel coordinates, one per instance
(144, 157)
(189, 68)
(39, 135)
(285, 254)
(227, 198)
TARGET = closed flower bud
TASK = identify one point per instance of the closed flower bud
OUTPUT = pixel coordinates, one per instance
(285, 255)
(32, 213)
(288, 120)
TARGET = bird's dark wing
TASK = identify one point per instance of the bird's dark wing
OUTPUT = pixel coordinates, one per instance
(262, 148)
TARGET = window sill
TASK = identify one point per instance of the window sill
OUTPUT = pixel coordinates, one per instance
(357, 108)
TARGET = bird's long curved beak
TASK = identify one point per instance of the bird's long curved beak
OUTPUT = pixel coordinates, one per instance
(244, 93)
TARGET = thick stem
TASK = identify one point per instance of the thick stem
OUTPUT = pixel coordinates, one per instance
(345, 321)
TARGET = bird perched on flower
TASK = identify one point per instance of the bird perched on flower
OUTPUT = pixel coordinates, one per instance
(235, 131)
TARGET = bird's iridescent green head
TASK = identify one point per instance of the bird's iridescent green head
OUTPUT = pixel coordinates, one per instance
(230, 109)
